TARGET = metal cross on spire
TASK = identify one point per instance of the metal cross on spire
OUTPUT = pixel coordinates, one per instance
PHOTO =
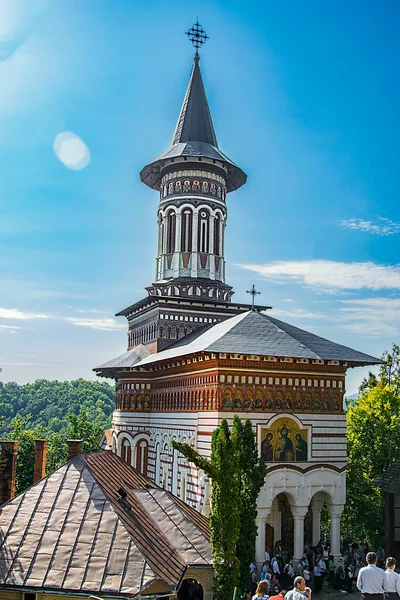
(253, 293)
(197, 36)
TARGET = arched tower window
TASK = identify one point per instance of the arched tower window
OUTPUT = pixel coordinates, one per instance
(186, 232)
(171, 227)
(217, 236)
(142, 456)
(204, 231)
(126, 451)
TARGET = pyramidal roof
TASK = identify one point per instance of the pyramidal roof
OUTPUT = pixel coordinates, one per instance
(195, 122)
(73, 532)
(251, 332)
(194, 137)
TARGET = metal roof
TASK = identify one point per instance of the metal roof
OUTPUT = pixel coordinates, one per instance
(257, 333)
(194, 137)
(194, 121)
(389, 481)
(71, 532)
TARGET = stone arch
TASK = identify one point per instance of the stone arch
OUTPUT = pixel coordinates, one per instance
(190, 589)
(125, 449)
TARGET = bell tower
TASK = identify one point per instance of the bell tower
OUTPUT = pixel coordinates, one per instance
(193, 178)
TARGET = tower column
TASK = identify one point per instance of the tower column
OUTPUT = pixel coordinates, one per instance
(211, 247)
(194, 242)
(177, 253)
(298, 512)
(335, 511)
(316, 506)
(260, 540)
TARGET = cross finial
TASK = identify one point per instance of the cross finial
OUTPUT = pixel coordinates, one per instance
(253, 293)
(197, 36)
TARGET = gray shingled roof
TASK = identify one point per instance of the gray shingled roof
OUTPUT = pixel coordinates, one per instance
(194, 121)
(256, 333)
(71, 533)
(127, 359)
(194, 137)
(390, 480)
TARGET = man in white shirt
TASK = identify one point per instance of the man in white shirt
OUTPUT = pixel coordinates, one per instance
(391, 583)
(370, 579)
(297, 593)
(267, 556)
(275, 567)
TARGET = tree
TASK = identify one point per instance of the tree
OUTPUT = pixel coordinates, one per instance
(80, 427)
(237, 475)
(252, 473)
(26, 450)
(50, 402)
(373, 434)
(390, 370)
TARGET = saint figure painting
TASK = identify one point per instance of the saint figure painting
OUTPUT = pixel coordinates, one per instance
(284, 441)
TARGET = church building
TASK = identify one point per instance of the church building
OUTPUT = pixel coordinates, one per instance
(195, 357)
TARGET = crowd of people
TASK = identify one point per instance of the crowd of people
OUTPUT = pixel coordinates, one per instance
(358, 568)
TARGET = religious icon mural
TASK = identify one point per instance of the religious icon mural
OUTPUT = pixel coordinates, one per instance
(284, 441)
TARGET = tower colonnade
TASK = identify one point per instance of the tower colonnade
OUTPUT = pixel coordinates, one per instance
(191, 240)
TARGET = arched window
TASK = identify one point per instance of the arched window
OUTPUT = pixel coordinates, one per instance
(217, 236)
(178, 186)
(170, 188)
(126, 451)
(204, 187)
(171, 227)
(142, 456)
(186, 233)
(203, 234)
(186, 185)
(196, 186)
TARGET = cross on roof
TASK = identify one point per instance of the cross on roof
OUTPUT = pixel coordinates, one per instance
(197, 36)
(253, 293)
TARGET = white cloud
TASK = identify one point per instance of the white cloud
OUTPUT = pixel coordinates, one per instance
(328, 276)
(297, 313)
(15, 313)
(371, 317)
(71, 150)
(383, 227)
(101, 324)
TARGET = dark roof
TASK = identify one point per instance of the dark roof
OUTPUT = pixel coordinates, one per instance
(390, 480)
(194, 137)
(195, 122)
(72, 533)
(256, 333)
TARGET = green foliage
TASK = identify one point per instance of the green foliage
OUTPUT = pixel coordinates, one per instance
(237, 475)
(252, 473)
(79, 428)
(373, 434)
(26, 450)
(50, 402)
(226, 510)
(55, 411)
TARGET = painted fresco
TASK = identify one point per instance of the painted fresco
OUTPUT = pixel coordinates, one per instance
(284, 441)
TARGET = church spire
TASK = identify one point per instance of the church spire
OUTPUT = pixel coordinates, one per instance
(195, 122)
(194, 139)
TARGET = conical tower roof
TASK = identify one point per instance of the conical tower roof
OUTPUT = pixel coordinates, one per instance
(195, 122)
(194, 137)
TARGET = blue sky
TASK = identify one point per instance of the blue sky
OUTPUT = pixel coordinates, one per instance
(304, 97)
